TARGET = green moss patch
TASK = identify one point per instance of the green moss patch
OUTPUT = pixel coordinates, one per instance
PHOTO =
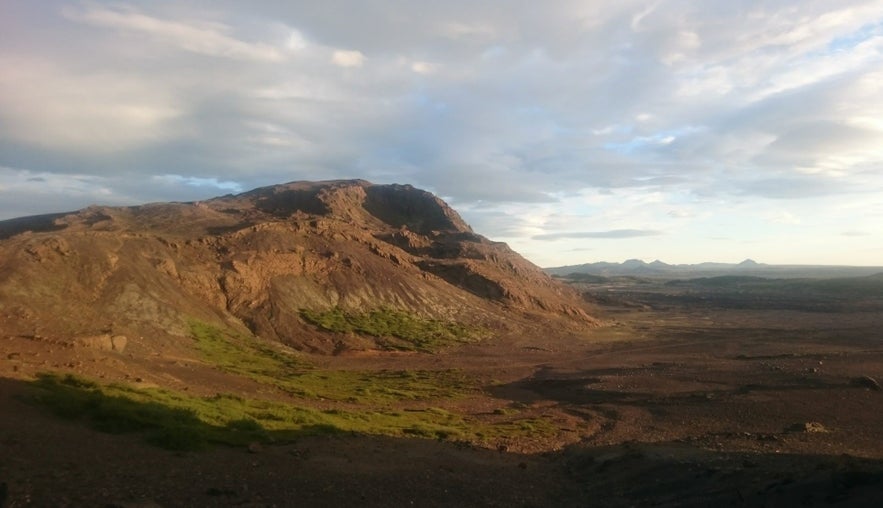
(397, 329)
(178, 421)
(248, 357)
(401, 403)
(240, 354)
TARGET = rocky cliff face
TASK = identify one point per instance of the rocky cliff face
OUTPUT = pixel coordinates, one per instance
(255, 261)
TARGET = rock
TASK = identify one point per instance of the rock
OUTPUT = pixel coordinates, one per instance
(255, 447)
(104, 342)
(808, 427)
(118, 342)
(215, 492)
(867, 382)
(141, 503)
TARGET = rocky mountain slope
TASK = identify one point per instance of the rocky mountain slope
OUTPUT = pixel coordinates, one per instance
(138, 277)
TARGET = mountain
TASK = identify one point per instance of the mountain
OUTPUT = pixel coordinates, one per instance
(634, 263)
(257, 263)
(748, 267)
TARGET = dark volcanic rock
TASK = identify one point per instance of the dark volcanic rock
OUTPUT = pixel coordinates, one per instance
(867, 382)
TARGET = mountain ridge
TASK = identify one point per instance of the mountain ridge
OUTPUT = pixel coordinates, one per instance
(253, 262)
(747, 267)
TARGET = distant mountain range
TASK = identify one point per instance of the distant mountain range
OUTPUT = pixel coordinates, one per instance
(749, 267)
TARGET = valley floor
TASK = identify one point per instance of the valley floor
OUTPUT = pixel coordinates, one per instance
(673, 403)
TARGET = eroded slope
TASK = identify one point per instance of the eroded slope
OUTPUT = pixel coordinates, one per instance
(256, 261)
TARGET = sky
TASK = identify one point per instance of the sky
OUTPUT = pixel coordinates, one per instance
(575, 131)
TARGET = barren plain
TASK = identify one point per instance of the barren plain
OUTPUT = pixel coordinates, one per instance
(682, 399)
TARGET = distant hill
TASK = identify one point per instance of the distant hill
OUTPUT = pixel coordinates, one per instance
(748, 267)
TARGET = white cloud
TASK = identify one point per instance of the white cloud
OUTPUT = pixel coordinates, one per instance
(784, 217)
(296, 41)
(348, 58)
(460, 30)
(423, 67)
(613, 234)
(677, 116)
(198, 37)
(680, 213)
(639, 16)
(44, 104)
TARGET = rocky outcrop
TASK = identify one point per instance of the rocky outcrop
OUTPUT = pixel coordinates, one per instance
(104, 342)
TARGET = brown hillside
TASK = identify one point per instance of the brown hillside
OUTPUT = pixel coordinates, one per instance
(107, 277)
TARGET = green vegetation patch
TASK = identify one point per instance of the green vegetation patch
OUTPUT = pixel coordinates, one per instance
(248, 357)
(381, 387)
(167, 419)
(178, 421)
(413, 333)
(239, 354)
(383, 402)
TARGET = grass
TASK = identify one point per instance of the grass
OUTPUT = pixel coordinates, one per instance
(167, 420)
(178, 421)
(248, 357)
(399, 330)
(381, 402)
(239, 354)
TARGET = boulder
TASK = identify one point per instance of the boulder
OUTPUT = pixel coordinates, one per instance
(867, 382)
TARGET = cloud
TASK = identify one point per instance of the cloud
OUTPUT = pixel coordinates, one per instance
(612, 234)
(192, 181)
(27, 193)
(680, 213)
(795, 187)
(344, 58)
(45, 105)
(501, 183)
(198, 37)
(672, 115)
(423, 67)
(459, 30)
(296, 41)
